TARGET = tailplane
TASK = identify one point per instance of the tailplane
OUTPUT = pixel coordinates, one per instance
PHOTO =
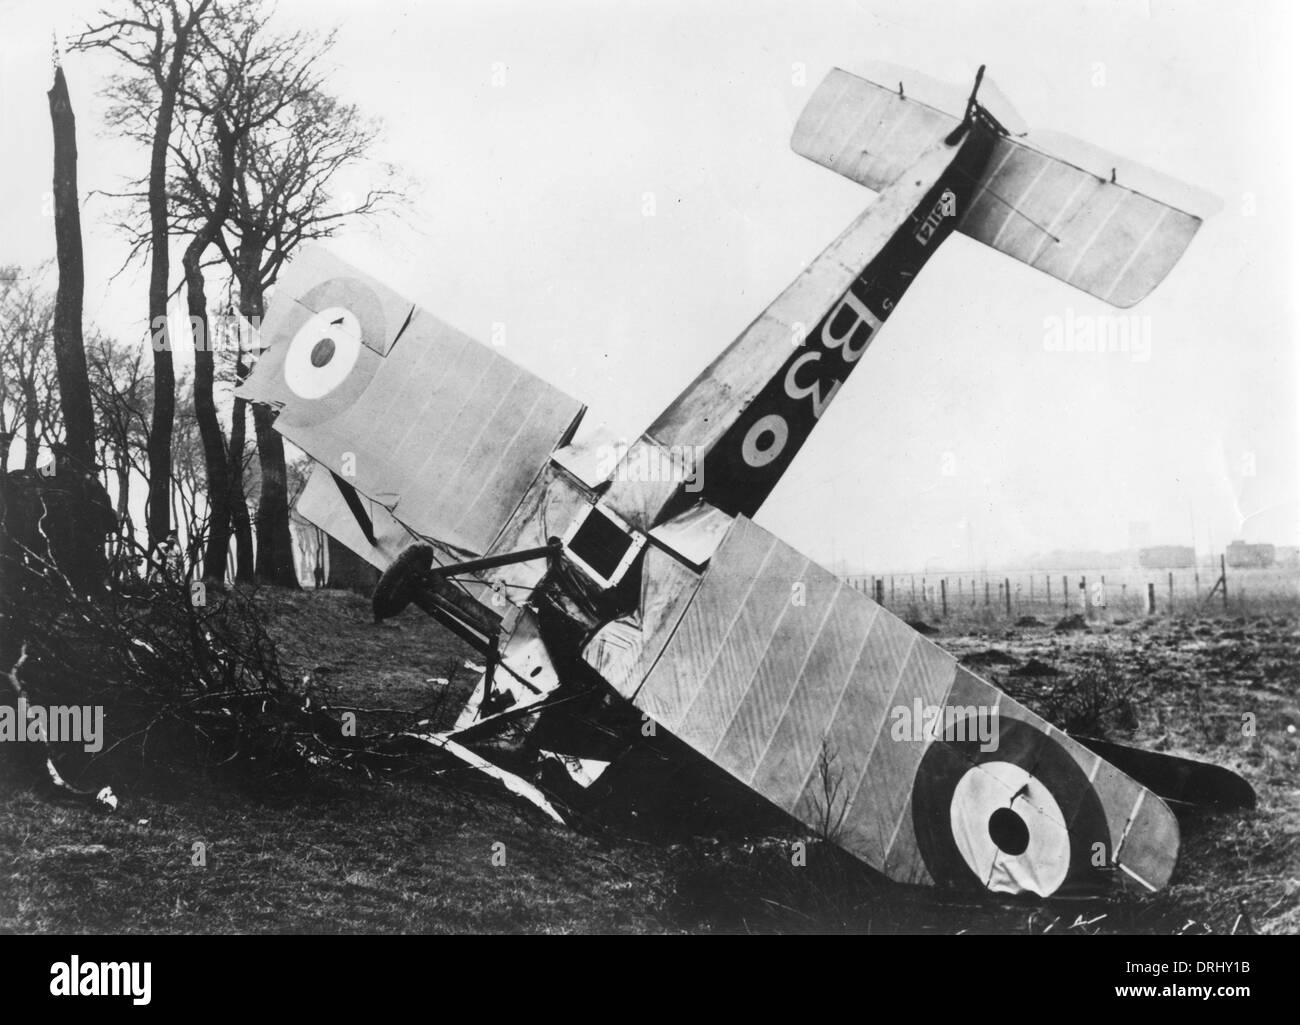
(1104, 225)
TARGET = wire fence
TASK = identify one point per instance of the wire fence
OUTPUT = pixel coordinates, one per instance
(1094, 594)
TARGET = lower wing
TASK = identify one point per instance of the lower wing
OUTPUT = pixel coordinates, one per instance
(842, 715)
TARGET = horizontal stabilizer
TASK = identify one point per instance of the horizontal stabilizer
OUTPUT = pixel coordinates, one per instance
(1106, 226)
(1182, 780)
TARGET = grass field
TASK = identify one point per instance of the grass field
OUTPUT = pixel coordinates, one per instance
(436, 849)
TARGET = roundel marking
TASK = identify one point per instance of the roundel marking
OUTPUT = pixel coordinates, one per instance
(1009, 830)
(322, 353)
(1020, 818)
(765, 440)
(329, 349)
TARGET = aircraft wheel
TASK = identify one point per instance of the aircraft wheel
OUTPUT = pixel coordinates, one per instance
(396, 587)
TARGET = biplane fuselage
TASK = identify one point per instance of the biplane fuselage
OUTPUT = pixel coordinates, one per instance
(457, 473)
(750, 446)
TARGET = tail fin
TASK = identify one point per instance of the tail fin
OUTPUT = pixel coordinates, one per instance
(1103, 225)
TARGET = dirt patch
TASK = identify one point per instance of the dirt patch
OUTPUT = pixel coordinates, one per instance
(988, 657)
(1034, 667)
(1071, 624)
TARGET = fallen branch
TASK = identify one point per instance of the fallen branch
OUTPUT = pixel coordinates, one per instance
(104, 797)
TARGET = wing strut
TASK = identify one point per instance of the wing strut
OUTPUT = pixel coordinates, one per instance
(359, 513)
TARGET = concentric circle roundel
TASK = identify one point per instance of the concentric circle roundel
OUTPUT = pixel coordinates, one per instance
(322, 353)
(328, 359)
(1018, 818)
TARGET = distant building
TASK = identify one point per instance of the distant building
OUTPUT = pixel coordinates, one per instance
(1245, 556)
(1167, 557)
(1288, 556)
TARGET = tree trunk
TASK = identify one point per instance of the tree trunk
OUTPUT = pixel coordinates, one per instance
(239, 518)
(69, 347)
(31, 442)
(205, 408)
(164, 375)
(275, 563)
(126, 528)
(214, 445)
(347, 570)
(318, 558)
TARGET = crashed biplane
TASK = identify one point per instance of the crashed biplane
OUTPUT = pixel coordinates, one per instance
(456, 473)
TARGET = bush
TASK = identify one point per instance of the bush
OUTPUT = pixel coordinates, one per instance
(1097, 701)
(183, 674)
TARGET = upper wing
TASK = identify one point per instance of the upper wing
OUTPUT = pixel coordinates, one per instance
(845, 717)
(444, 432)
(1093, 220)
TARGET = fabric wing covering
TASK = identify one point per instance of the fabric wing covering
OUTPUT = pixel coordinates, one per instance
(816, 697)
(443, 431)
(1047, 200)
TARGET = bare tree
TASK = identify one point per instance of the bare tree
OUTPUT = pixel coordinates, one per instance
(153, 38)
(242, 80)
(256, 146)
(69, 346)
(191, 501)
(122, 393)
(284, 172)
(29, 397)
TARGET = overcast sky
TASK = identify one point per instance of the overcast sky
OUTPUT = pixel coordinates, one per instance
(536, 130)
